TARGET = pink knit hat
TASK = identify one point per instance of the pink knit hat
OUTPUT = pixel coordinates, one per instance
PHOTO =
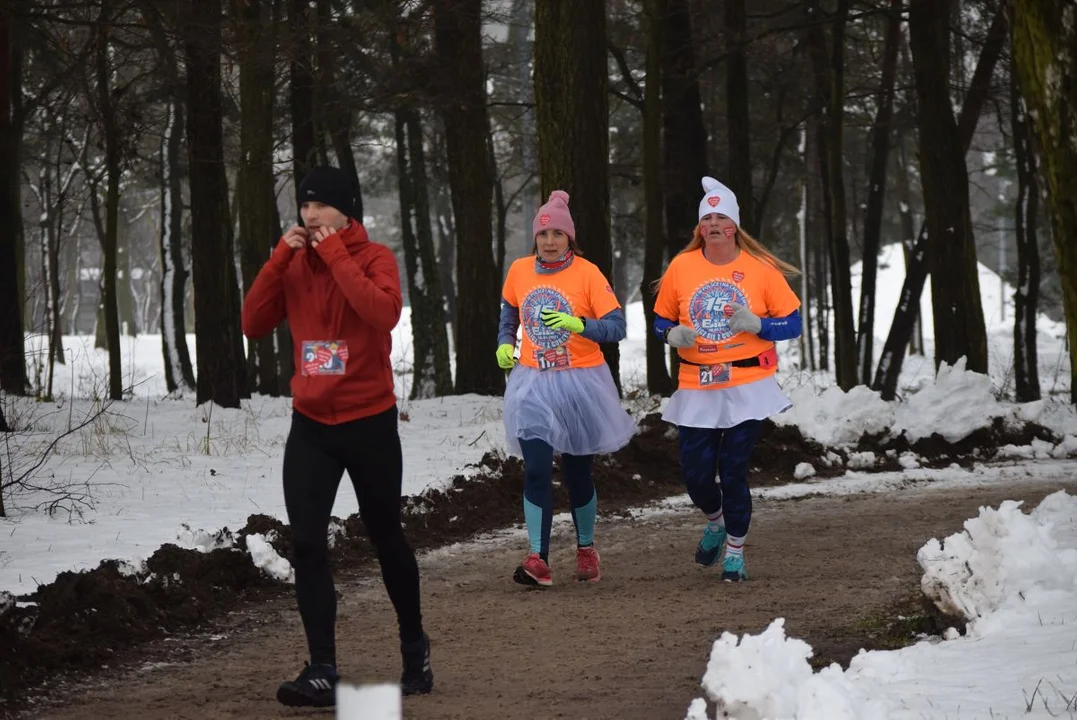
(554, 215)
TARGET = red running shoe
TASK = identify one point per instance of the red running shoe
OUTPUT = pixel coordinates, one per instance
(587, 564)
(533, 571)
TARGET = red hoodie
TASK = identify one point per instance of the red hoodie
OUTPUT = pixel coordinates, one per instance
(341, 299)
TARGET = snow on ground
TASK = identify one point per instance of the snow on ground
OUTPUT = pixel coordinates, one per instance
(1012, 575)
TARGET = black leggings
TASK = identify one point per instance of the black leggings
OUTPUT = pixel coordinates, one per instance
(315, 458)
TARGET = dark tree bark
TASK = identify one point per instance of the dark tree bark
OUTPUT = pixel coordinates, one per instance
(908, 309)
(301, 73)
(12, 344)
(222, 371)
(110, 129)
(658, 379)
(957, 307)
(336, 114)
(737, 114)
(179, 371)
(458, 42)
(573, 124)
(1044, 52)
(684, 135)
(873, 216)
(255, 196)
(1026, 296)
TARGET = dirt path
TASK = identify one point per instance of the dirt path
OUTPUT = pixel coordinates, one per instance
(634, 645)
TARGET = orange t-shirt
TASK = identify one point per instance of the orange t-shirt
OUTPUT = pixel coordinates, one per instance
(580, 290)
(694, 292)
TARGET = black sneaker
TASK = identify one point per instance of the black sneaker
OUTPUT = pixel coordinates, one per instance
(418, 678)
(316, 686)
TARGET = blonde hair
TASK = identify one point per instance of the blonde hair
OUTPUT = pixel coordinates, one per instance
(745, 242)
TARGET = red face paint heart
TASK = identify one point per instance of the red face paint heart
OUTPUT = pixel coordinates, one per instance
(713, 201)
(737, 276)
(544, 220)
(342, 352)
(729, 231)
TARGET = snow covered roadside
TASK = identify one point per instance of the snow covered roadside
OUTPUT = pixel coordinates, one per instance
(1011, 575)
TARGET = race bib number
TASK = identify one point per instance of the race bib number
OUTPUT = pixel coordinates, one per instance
(713, 374)
(325, 357)
(553, 359)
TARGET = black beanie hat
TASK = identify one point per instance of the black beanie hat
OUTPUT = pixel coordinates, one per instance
(329, 186)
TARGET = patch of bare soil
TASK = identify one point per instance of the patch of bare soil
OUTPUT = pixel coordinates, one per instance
(634, 645)
(105, 617)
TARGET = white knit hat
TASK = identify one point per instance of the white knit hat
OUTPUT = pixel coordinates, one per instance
(718, 199)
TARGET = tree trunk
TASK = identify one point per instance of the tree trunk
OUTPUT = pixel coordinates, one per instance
(337, 115)
(112, 207)
(255, 195)
(684, 135)
(873, 216)
(12, 343)
(658, 379)
(573, 124)
(302, 95)
(1045, 49)
(908, 309)
(908, 241)
(957, 307)
(1026, 296)
(737, 113)
(458, 43)
(179, 373)
(221, 365)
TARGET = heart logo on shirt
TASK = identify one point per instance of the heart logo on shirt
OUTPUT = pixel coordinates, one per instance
(311, 368)
(342, 353)
(737, 276)
(713, 201)
(324, 355)
(728, 311)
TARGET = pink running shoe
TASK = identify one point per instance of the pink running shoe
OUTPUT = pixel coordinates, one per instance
(587, 564)
(533, 571)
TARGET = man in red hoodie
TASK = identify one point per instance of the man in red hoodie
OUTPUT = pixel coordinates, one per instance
(340, 294)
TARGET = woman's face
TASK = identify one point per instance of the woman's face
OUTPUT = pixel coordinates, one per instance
(717, 228)
(551, 244)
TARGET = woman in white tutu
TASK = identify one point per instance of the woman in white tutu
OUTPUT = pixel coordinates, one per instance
(561, 398)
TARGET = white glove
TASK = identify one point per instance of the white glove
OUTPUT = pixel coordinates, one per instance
(681, 336)
(744, 320)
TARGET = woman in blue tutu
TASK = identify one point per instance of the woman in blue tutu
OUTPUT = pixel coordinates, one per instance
(560, 398)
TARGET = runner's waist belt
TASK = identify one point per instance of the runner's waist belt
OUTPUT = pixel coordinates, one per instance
(765, 359)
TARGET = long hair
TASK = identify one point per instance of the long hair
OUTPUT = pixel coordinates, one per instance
(745, 242)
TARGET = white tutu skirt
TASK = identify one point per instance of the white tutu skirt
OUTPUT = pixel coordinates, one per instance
(575, 411)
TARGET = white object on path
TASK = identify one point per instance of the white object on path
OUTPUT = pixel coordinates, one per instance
(369, 702)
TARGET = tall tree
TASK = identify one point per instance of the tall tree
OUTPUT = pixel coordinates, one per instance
(110, 128)
(573, 124)
(829, 70)
(301, 97)
(12, 347)
(336, 111)
(179, 372)
(737, 112)
(1026, 295)
(957, 308)
(873, 215)
(458, 47)
(222, 372)
(683, 133)
(658, 379)
(917, 261)
(259, 226)
(1045, 51)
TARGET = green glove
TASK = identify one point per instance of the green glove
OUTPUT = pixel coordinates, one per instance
(562, 321)
(505, 360)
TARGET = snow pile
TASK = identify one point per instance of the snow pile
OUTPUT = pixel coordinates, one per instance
(204, 540)
(767, 677)
(1005, 567)
(265, 557)
(1012, 575)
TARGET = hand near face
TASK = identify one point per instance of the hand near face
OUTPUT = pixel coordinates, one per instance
(320, 234)
(296, 238)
